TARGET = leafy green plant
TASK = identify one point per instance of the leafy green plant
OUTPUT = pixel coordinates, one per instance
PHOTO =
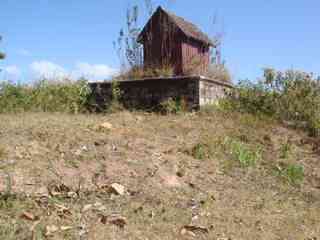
(115, 104)
(292, 173)
(242, 153)
(173, 106)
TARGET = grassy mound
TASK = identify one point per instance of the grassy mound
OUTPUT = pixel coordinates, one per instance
(206, 175)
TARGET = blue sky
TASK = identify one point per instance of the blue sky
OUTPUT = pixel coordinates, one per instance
(75, 37)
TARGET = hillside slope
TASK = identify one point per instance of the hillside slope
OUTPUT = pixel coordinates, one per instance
(191, 176)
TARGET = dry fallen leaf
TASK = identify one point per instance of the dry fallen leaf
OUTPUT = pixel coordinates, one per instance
(116, 219)
(194, 230)
(58, 189)
(29, 216)
(62, 210)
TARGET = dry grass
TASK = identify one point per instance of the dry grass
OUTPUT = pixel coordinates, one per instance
(167, 187)
(139, 72)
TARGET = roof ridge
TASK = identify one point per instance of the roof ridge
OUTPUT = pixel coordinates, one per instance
(188, 28)
(175, 17)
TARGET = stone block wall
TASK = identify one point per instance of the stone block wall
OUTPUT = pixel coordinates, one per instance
(211, 91)
(149, 93)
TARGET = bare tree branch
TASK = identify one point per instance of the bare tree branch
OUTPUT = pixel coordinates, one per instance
(2, 55)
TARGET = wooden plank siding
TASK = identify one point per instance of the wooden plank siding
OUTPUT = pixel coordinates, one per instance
(195, 57)
(162, 44)
(169, 40)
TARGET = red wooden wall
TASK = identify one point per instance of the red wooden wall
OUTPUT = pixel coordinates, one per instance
(165, 44)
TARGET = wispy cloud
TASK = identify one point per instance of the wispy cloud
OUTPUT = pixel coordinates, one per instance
(92, 72)
(12, 73)
(49, 70)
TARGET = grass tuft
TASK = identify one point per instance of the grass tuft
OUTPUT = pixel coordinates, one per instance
(292, 173)
(242, 154)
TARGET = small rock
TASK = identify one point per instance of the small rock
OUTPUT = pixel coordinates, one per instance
(117, 189)
(65, 228)
(105, 126)
(194, 230)
(86, 208)
(51, 230)
(72, 195)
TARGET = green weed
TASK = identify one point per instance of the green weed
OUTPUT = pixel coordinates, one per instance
(292, 173)
(201, 151)
(173, 106)
(285, 150)
(242, 153)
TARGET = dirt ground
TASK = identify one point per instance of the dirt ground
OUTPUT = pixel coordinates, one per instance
(57, 173)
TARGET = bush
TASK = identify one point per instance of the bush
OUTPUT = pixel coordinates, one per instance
(45, 96)
(115, 104)
(289, 96)
(173, 106)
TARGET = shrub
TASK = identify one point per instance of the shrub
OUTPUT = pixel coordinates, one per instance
(115, 104)
(290, 96)
(47, 96)
(173, 106)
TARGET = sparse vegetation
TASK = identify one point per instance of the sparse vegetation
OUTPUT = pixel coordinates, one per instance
(139, 72)
(218, 72)
(201, 151)
(241, 153)
(173, 106)
(292, 173)
(214, 71)
(2, 152)
(285, 150)
(172, 168)
(115, 104)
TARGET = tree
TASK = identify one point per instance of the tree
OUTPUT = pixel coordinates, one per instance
(2, 55)
(129, 51)
(217, 39)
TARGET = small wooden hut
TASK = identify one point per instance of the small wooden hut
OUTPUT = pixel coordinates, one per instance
(171, 41)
